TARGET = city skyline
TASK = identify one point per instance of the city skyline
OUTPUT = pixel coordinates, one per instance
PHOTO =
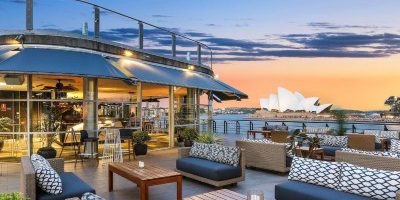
(344, 52)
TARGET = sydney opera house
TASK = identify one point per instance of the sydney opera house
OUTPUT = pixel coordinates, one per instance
(287, 101)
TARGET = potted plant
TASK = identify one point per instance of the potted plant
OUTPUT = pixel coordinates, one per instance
(340, 118)
(188, 135)
(51, 122)
(298, 139)
(209, 138)
(140, 138)
(4, 127)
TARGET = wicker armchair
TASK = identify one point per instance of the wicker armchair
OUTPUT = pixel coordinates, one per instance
(280, 136)
(268, 156)
(184, 152)
(371, 161)
(361, 142)
(28, 179)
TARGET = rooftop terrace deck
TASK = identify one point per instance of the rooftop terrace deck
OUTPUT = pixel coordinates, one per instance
(124, 189)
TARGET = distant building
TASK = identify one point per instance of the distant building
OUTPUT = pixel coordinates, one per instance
(286, 101)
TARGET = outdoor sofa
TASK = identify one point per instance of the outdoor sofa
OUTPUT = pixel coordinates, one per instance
(266, 155)
(293, 189)
(72, 185)
(210, 172)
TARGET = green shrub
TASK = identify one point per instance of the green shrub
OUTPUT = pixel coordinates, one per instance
(141, 137)
(209, 138)
(12, 196)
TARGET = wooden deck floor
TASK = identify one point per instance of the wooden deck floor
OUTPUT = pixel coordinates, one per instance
(123, 189)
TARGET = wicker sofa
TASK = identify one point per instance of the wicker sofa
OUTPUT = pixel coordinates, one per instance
(211, 168)
(72, 185)
(268, 156)
(290, 189)
(371, 161)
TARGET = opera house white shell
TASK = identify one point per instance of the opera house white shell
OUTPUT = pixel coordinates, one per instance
(287, 101)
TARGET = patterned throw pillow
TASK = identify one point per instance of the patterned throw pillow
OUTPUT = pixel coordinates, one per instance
(39, 160)
(258, 141)
(374, 183)
(315, 172)
(46, 177)
(200, 150)
(334, 140)
(395, 146)
(375, 153)
(91, 196)
(224, 154)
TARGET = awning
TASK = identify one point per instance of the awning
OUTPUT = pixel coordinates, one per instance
(161, 74)
(58, 61)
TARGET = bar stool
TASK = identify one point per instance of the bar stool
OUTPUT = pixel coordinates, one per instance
(83, 141)
(127, 134)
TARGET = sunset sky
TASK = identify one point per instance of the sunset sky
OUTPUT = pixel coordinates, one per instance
(344, 51)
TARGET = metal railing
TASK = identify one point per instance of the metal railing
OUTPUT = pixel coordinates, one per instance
(173, 52)
(222, 126)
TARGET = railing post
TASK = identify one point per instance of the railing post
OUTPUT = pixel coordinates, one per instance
(96, 22)
(225, 127)
(353, 128)
(266, 124)
(214, 126)
(283, 124)
(173, 45)
(237, 127)
(326, 125)
(29, 15)
(141, 34)
(251, 125)
(385, 128)
(199, 53)
(304, 126)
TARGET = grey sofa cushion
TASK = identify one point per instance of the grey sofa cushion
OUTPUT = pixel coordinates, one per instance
(330, 150)
(208, 169)
(72, 186)
(290, 190)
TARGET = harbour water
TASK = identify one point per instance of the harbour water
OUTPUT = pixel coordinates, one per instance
(241, 123)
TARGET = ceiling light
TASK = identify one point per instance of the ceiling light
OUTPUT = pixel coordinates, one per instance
(128, 53)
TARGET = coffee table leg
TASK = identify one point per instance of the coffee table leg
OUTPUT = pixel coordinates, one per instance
(179, 188)
(144, 191)
(110, 181)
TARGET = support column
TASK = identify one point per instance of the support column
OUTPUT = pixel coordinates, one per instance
(141, 35)
(210, 112)
(28, 115)
(173, 45)
(139, 104)
(29, 15)
(171, 117)
(90, 121)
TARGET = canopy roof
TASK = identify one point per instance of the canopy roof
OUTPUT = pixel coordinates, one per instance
(56, 61)
(162, 74)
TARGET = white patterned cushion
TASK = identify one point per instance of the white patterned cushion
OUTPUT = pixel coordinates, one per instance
(375, 153)
(200, 150)
(395, 146)
(258, 140)
(377, 134)
(91, 196)
(224, 154)
(315, 172)
(389, 134)
(333, 140)
(373, 183)
(39, 160)
(46, 177)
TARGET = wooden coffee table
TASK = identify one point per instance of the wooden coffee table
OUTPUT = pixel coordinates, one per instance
(145, 177)
(305, 150)
(223, 194)
(266, 134)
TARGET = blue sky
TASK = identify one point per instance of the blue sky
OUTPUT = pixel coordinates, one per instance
(318, 43)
